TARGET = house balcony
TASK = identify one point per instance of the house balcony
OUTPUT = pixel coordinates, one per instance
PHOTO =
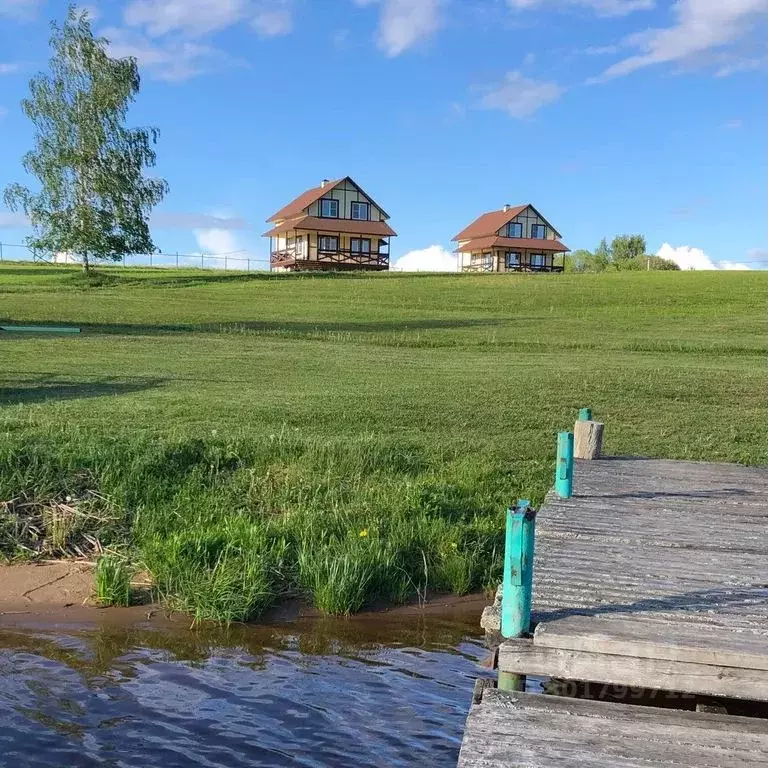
(297, 259)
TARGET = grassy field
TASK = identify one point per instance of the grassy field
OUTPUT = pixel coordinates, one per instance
(351, 438)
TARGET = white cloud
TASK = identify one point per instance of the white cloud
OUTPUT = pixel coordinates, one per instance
(220, 243)
(19, 9)
(701, 27)
(600, 7)
(435, 258)
(197, 18)
(731, 125)
(688, 257)
(520, 96)
(3, 112)
(741, 65)
(171, 60)
(171, 220)
(192, 17)
(273, 18)
(404, 23)
(9, 67)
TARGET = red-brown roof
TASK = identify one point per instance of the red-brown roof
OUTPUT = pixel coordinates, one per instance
(490, 223)
(304, 200)
(348, 226)
(527, 243)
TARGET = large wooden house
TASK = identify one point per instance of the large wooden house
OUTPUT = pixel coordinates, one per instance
(333, 226)
(513, 239)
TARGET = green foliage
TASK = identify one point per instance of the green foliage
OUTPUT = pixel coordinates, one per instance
(113, 581)
(412, 408)
(627, 250)
(625, 254)
(94, 200)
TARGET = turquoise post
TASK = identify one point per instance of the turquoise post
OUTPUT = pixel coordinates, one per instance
(518, 570)
(564, 467)
(518, 582)
(585, 414)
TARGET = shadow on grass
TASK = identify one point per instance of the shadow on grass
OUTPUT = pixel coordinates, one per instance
(46, 389)
(286, 327)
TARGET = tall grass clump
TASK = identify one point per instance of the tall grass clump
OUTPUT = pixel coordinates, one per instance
(113, 581)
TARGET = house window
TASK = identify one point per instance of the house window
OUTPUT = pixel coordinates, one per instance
(329, 208)
(513, 259)
(537, 259)
(328, 243)
(538, 232)
(360, 211)
(360, 245)
(514, 229)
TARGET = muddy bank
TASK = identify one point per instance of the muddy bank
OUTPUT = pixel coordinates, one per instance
(59, 595)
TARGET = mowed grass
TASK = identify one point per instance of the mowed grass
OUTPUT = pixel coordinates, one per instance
(353, 438)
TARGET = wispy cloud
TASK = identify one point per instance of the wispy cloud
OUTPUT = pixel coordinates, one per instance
(9, 67)
(171, 38)
(22, 10)
(731, 125)
(405, 23)
(159, 219)
(519, 96)
(197, 18)
(3, 112)
(170, 60)
(701, 27)
(600, 7)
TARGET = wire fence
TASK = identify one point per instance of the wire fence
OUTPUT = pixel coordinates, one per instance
(240, 261)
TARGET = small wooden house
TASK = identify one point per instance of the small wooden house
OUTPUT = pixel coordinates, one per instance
(334, 226)
(513, 239)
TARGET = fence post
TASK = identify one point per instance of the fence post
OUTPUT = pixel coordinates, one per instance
(564, 467)
(202, 261)
(1, 251)
(517, 588)
(177, 259)
(587, 436)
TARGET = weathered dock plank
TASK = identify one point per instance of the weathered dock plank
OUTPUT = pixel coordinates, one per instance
(518, 730)
(652, 568)
(524, 657)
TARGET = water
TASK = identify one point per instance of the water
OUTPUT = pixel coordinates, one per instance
(376, 692)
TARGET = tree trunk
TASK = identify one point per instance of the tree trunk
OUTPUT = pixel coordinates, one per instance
(86, 264)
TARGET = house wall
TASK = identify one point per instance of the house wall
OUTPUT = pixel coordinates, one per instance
(310, 242)
(346, 193)
(528, 218)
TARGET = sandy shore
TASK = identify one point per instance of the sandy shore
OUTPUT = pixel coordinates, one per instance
(59, 595)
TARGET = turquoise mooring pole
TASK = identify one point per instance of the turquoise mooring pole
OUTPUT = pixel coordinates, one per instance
(518, 582)
(564, 467)
(585, 414)
(518, 570)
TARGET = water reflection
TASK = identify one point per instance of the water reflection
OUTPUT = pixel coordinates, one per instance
(388, 692)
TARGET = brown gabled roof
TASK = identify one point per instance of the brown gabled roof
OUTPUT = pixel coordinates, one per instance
(490, 223)
(304, 200)
(529, 243)
(347, 226)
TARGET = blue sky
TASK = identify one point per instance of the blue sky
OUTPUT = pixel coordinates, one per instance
(610, 116)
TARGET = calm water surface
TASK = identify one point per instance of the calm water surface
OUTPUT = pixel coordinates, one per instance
(376, 692)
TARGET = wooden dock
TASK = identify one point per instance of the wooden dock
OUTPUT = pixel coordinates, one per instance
(653, 575)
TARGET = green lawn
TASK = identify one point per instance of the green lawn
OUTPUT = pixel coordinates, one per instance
(237, 433)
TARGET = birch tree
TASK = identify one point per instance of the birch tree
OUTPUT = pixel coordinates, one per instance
(94, 200)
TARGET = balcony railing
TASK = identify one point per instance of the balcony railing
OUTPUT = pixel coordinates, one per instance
(484, 266)
(341, 256)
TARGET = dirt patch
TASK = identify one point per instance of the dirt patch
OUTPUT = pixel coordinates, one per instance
(59, 594)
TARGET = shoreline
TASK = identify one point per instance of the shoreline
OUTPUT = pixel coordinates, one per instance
(58, 595)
